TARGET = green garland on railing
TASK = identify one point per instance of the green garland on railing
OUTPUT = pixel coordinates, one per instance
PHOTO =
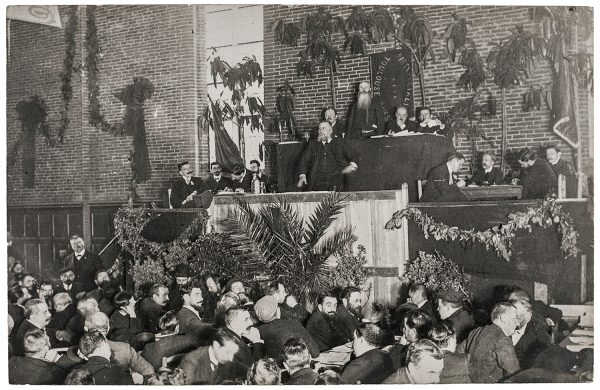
(67, 74)
(92, 46)
(547, 214)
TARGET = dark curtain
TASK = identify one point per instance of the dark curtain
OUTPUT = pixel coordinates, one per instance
(227, 152)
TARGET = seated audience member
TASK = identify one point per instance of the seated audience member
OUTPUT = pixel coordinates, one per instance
(450, 307)
(425, 362)
(154, 307)
(541, 311)
(216, 181)
(79, 376)
(105, 292)
(487, 174)
(400, 124)
(288, 306)
(264, 372)
(536, 177)
(76, 325)
(417, 325)
(324, 325)
(328, 377)
(57, 329)
(37, 316)
(212, 289)
(124, 324)
(17, 296)
(560, 166)
(417, 294)
(456, 365)
(381, 316)
(210, 365)
(372, 365)
(46, 292)
(339, 130)
(490, 347)
(239, 325)
(29, 282)
(441, 185)
(350, 311)
(189, 317)
(181, 279)
(531, 337)
(185, 187)
(255, 172)
(34, 368)
(276, 331)
(296, 360)
(428, 124)
(95, 348)
(168, 341)
(227, 300)
(68, 284)
(15, 271)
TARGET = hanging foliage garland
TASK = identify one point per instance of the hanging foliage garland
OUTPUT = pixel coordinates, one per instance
(66, 75)
(547, 214)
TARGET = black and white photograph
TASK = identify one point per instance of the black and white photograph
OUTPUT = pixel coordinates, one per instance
(298, 193)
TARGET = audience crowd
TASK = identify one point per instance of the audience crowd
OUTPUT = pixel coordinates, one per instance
(195, 332)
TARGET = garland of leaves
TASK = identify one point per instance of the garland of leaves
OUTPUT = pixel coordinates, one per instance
(547, 214)
(68, 68)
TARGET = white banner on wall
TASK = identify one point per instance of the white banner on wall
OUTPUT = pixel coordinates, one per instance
(41, 14)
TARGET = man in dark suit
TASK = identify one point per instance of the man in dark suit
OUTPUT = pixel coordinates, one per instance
(288, 306)
(216, 181)
(239, 326)
(238, 174)
(33, 368)
(450, 307)
(209, 365)
(365, 119)
(154, 307)
(339, 130)
(441, 185)
(124, 324)
(97, 351)
(418, 295)
(185, 187)
(487, 175)
(37, 316)
(425, 362)
(296, 359)
(57, 329)
(560, 166)
(256, 174)
(189, 317)
(428, 124)
(417, 326)
(531, 338)
(372, 365)
(276, 331)
(17, 297)
(68, 283)
(536, 177)
(350, 311)
(326, 161)
(324, 325)
(85, 264)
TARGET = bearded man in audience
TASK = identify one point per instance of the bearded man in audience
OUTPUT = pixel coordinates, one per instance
(154, 307)
(34, 368)
(491, 348)
(37, 316)
(372, 365)
(296, 360)
(68, 283)
(325, 326)
(531, 337)
(350, 311)
(189, 316)
(366, 119)
(450, 307)
(425, 362)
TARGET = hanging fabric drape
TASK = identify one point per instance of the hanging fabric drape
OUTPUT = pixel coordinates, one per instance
(227, 152)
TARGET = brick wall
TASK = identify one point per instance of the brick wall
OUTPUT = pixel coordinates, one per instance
(156, 42)
(488, 23)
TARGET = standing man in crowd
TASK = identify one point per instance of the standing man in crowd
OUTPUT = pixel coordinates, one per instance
(366, 120)
(326, 161)
(185, 187)
(85, 264)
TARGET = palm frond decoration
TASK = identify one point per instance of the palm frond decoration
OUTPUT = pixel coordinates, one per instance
(381, 25)
(291, 249)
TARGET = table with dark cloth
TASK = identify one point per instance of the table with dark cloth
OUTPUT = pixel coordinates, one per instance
(384, 163)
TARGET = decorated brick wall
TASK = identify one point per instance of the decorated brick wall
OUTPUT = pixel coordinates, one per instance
(489, 24)
(155, 42)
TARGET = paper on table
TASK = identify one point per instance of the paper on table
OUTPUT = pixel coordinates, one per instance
(583, 340)
(583, 332)
(577, 347)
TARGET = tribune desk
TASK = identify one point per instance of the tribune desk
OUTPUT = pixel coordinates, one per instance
(384, 164)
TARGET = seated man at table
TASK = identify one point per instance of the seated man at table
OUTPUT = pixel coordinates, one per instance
(216, 181)
(296, 360)
(326, 161)
(537, 177)
(255, 173)
(400, 125)
(372, 365)
(184, 188)
(34, 368)
(532, 337)
(441, 185)
(429, 124)
(366, 119)
(324, 325)
(238, 173)
(560, 166)
(487, 175)
(339, 130)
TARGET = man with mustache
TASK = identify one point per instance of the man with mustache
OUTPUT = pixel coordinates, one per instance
(338, 127)
(365, 119)
(185, 187)
(324, 324)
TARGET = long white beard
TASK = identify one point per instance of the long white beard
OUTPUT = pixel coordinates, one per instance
(364, 101)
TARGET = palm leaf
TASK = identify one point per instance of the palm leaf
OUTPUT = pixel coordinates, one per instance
(335, 244)
(322, 218)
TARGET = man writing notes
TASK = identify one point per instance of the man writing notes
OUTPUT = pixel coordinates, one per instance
(184, 188)
(365, 119)
(326, 161)
(401, 125)
(441, 185)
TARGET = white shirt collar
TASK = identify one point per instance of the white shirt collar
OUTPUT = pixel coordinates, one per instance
(420, 305)
(326, 142)
(36, 324)
(556, 162)
(488, 170)
(212, 357)
(192, 310)
(450, 179)
(67, 287)
(217, 178)
(80, 254)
